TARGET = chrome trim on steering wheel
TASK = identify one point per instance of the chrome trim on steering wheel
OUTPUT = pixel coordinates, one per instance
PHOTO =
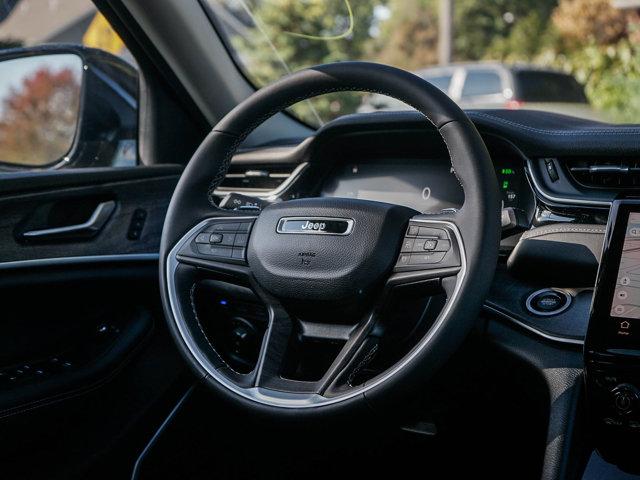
(295, 400)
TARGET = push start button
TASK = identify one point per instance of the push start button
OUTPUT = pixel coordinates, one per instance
(548, 302)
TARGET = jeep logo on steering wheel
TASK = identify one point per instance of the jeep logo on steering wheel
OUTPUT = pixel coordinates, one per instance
(313, 225)
(319, 225)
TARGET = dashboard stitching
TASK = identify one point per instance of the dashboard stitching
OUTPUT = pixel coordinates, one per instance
(590, 131)
(533, 233)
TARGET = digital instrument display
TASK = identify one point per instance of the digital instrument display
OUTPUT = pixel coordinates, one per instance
(424, 185)
(510, 184)
(626, 295)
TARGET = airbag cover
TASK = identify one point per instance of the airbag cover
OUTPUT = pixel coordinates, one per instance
(317, 260)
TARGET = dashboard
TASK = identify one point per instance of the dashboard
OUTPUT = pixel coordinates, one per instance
(549, 168)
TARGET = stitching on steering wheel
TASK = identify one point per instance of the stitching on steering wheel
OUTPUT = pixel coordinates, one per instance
(226, 161)
(363, 363)
(195, 314)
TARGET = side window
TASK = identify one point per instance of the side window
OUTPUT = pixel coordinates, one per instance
(442, 82)
(68, 88)
(481, 82)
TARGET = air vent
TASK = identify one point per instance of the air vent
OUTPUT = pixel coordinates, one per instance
(257, 178)
(605, 173)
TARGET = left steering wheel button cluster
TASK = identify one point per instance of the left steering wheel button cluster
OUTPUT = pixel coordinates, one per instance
(224, 240)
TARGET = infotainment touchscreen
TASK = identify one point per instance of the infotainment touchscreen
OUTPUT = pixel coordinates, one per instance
(626, 295)
(615, 312)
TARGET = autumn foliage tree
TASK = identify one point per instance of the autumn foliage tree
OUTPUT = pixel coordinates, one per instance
(580, 21)
(38, 118)
(409, 19)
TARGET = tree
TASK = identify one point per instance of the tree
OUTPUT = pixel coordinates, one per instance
(588, 38)
(38, 119)
(598, 44)
(409, 39)
(582, 21)
(294, 34)
(500, 29)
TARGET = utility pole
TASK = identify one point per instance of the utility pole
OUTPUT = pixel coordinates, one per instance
(445, 31)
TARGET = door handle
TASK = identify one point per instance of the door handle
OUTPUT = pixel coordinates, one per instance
(87, 229)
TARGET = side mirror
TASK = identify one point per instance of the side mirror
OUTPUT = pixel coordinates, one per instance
(66, 106)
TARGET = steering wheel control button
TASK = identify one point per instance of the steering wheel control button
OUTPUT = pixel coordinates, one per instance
(404, 260)
(241, 240)
(432, 232)
(225, 227)
(413, 231)
(213, 238)
(407, 245)
(548, 302)
(203, 238)
(443, 246)
(426, 258)
(228, 239)
(215, 251)
(430, 244)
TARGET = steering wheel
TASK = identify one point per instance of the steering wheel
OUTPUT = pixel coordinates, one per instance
(327, 270)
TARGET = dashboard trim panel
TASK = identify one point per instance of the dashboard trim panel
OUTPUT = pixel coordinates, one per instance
(575, 202)
(266, 194)
(529, 328)
(87, 259)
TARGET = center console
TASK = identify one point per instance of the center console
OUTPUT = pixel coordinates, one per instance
(612, 346)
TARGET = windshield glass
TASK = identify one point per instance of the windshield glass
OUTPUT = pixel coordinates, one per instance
(577, 57)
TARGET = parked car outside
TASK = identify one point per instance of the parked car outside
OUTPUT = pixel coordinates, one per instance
(496, 85)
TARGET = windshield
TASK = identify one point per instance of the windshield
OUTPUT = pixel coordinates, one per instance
(576, 57)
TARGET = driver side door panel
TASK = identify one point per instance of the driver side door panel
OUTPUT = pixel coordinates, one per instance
(84, 355)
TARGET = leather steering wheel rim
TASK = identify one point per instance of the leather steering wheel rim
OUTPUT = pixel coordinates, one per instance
(477, 223)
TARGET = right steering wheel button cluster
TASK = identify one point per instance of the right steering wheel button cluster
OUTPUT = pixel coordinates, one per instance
(425, 247)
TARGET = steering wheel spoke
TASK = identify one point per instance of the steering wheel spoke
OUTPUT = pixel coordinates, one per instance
(280, 367)
(274, 345)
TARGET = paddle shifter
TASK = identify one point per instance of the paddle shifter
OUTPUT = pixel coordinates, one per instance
(612, 347)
